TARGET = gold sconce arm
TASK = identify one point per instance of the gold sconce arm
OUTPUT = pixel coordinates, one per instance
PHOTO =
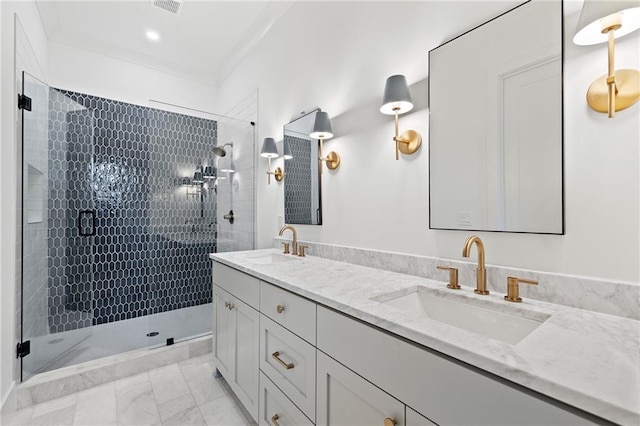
(332, 160)
(408, 142)
(602, 22)
(278, 174)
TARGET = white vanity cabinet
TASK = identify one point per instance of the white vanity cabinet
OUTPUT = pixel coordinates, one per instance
(440, 388)
(413, 418)
(236, 334)
(345, 398)
(293, 361)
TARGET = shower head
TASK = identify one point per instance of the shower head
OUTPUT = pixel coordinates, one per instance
(220, 151)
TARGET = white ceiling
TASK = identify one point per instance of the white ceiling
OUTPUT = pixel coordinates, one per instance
(204, 42)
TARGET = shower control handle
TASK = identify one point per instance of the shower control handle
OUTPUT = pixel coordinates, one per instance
(91, 214)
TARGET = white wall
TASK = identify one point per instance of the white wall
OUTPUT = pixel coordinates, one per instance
(373, 201)
(32, 57)
(88, 72)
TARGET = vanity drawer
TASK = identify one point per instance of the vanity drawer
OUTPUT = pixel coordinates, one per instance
(290, 363)
(243, 286)
(274, 405)
(289, 310)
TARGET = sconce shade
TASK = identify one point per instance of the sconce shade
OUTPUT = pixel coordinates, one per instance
(269, 149)
(197, 177)
(589, 28)
(322, 126)
(397, 97)
(286, 150)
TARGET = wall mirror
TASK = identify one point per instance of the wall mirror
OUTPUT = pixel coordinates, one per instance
(302, 195)
(496, 125)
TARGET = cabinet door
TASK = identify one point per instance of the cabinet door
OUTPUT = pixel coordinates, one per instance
(223, 334)
(344, 398)
(416, 419)
(247, 329)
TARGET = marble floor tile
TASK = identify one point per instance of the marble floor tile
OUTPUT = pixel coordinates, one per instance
(17, 418)
(53, 405)
(132, 381)
(96, 406)
(177, 405)
(61, 417)
(168, 383)
(136, 405)
(191, 417)
(183, 393)
(205, 388)
(224, 411)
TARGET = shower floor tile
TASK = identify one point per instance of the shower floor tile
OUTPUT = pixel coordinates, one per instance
(145, 399)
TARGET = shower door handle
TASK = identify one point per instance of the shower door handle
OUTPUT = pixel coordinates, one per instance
(91, 214)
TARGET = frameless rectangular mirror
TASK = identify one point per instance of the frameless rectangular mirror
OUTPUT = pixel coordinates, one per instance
(496, 125)
(302, 200)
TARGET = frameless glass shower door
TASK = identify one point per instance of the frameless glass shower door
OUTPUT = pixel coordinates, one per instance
(58, 226)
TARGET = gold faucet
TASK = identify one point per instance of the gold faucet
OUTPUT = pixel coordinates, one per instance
(294, 243)
(481, 272)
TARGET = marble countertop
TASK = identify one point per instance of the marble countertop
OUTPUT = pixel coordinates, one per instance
(585, 359)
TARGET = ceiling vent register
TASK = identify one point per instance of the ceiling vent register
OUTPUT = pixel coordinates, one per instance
(173, 6)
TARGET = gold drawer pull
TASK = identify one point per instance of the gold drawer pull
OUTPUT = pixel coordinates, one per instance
(279, 309)
(274, 420)
(276, 356)
(389, 422)
(226, 304)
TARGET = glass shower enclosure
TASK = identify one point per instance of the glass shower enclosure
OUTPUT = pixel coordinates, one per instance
(121, 206)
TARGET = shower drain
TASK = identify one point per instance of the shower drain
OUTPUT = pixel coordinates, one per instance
(152, 334)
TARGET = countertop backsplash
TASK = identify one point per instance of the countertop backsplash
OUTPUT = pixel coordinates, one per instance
(604, 296)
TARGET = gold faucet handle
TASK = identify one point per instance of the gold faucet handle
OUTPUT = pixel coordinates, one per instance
(286, 248)
(302, 248)
(453, 277)
(513, 288)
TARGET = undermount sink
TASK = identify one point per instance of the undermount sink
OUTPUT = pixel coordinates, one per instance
(508, 327)
(269, 258)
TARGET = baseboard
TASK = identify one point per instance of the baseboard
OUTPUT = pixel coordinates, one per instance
(10, 401)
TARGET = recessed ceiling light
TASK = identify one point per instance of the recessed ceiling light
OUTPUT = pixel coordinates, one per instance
(152, 35)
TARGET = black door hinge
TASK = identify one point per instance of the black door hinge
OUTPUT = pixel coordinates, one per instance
(24, 349)
(24, 102)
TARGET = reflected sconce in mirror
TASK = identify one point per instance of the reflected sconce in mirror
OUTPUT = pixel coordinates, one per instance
(322, 130)
(208, 172)
(603, 21)
(397, 100)
(286, 150)
(269, 151)
(198, 177)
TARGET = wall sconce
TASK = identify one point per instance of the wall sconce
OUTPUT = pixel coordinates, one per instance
(209, 172)
(286, 150)
(198, 178)
(397, 100)
(322, 130)
(603, 21)
(269, 151)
